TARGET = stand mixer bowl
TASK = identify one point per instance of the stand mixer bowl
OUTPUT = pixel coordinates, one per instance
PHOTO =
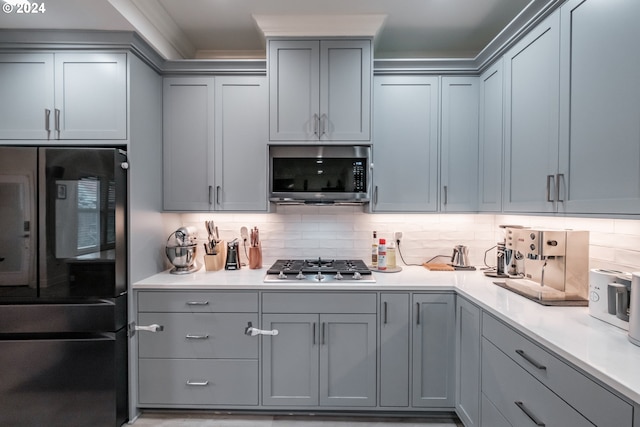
(182, 258)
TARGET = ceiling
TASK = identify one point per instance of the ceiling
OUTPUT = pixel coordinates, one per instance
(187, 29)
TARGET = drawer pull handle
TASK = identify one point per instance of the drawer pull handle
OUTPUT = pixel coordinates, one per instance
(197, 302)
(529, 359)
(197, 337)
(533, 418)
(197, 383)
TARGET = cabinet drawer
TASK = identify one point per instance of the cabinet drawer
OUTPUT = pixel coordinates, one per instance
(593, 401)
(315, 302)
(198, 335)
(195, 302)
(491, 417)
(198, 382)
(519, 397)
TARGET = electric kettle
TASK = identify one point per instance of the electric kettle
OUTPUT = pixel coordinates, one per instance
(460, 256)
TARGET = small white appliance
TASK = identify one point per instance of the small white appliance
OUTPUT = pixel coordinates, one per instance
(607, 290)
(634, 315)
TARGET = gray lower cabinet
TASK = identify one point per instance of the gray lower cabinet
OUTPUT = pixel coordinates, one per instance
(394, 357)
(324, 353)
(201, 356)
(525, 383)
(433, 368)
(468, 349)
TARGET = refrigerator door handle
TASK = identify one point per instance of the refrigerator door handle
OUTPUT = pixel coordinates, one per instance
(150, 328)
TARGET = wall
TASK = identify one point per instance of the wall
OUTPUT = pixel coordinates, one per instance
(345, 232)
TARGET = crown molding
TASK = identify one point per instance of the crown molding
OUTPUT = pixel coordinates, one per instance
(154, 24)
(320, 25)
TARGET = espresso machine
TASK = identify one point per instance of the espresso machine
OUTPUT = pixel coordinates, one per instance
(554, 265)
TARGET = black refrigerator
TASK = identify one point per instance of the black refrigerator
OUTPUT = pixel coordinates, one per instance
(63, 286)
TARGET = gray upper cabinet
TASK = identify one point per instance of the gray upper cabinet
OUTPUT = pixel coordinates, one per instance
(459, 142)
(320, 90)
(600, 107)
(241, 120)
(215, 150)
(491, 139)
(433, 331)
(188, 137)
(532, 120)
(70, 96)
(26, 88)
(405, 150)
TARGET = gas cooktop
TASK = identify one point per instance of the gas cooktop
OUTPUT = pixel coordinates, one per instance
(319, 270)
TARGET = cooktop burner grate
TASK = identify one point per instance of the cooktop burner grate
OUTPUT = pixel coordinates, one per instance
(318, 270)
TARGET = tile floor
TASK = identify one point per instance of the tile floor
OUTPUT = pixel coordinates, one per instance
(180, 419)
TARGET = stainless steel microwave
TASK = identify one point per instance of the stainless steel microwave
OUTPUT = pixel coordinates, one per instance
(319, 174)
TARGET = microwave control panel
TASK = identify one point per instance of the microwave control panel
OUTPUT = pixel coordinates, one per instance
(359, 176)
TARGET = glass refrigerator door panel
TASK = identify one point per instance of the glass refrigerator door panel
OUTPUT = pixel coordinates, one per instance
(17, 222)
(79, 219)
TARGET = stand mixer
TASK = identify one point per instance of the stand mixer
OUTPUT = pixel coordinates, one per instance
(181, 250)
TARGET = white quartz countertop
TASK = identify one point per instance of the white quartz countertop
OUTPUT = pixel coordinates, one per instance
(600, 349)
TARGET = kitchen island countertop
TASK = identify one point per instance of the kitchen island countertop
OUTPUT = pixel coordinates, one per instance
(601, 350)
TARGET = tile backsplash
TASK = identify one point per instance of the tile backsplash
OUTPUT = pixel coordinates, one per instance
(346, 232)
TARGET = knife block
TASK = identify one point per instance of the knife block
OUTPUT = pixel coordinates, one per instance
(216, 262)
(255, 257)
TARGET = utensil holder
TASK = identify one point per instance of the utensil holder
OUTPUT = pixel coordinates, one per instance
(255, 257)
(216, 262)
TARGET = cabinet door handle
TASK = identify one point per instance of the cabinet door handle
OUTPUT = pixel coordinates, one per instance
(57, 121)
(385, 310)
(323, 124)
(531, 360)
(549, 179)
(313, 341)
(528, 413)
(316, 123)
(196, 337)
(375, 195)
(218, 188)
(197, 383)
(210, 194)
(558, 176)
(197, 302)
(446, 194)
(323, 333)
(417, 313)
(47, 119)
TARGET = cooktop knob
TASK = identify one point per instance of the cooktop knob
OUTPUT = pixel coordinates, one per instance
(300, 276)
(282, 275)
(357, 275)
(338, 276)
